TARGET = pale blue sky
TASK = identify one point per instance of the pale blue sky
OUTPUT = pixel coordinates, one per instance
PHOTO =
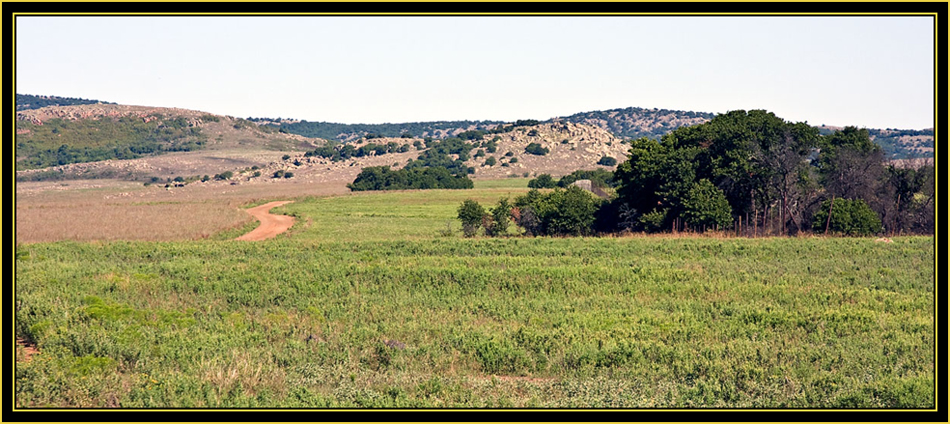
(873, 71)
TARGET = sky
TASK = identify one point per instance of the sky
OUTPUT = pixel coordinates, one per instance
(867, 71)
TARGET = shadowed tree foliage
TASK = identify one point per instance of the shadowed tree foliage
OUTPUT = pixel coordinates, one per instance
(542, 181)
(848, 217)
(753, 158)
(851, 165)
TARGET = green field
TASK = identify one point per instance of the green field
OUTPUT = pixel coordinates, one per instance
(364, 303)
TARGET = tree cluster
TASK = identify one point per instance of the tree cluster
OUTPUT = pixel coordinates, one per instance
(338, 152)
(562, 212)
(599, 177)
(495, 221)
(754, 172)
(384, 178)
(748, 172)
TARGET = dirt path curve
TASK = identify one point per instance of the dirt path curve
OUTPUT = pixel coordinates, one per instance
(271, 225)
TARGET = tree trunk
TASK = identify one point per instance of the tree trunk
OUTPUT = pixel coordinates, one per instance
(755, 224)
(830, 208)
(897, 215)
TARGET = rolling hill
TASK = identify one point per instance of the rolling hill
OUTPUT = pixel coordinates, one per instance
(64, 138)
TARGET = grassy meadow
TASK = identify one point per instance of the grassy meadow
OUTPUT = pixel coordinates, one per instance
(366, 303)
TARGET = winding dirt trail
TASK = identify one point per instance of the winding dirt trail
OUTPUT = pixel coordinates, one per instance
(271, 225)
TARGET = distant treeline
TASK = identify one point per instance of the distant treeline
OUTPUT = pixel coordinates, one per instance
(340, 132)
(27, 101)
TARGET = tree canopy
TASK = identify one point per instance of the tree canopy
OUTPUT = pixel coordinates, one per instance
(753, 165)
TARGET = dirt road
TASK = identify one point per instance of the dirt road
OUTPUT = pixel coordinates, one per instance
(271, 225)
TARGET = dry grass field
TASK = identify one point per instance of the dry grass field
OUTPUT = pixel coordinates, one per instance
(122, 210)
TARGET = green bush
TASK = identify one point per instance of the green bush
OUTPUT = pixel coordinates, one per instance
(499, 220)
(607, 161)
(470, 213)
(706, 206)
(570, 211)
(542, 181)
(653, 220)
(536, 149)
(849, 217)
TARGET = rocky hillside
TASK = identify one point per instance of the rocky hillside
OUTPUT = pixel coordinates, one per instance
(570, 147)
(162, 145)
(631, 122)
(635, 122)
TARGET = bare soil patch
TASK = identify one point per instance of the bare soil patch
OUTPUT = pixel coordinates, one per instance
(28, 350)
(271, 225)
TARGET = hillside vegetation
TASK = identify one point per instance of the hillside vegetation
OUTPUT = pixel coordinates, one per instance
(60, 142)
(138, 143)
(905, 144)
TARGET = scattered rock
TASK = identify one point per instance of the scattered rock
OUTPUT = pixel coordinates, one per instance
(395, 344)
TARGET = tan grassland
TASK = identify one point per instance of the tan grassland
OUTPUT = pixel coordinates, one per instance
(122, 210)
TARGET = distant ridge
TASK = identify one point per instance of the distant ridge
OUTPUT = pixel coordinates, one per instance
(635, 122)
(625, 123)
(29, 101)
(631, 122)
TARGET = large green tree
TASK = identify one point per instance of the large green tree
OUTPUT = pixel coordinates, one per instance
(754, 158)
(705, 206)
